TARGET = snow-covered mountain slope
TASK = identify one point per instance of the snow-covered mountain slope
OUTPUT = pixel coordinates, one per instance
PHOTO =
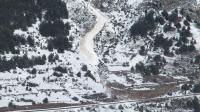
(80, 51)
(64, 77)
(86, 44)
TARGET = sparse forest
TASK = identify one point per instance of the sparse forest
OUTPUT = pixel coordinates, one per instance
(21, 14)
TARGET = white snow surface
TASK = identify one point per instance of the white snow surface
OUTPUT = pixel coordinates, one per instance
(135, 2)
(198, 1)
(75, 86)
(87, 43)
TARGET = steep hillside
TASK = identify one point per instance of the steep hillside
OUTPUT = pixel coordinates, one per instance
(75, 52)
(39, 58)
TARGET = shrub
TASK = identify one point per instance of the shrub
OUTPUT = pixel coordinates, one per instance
(160, 61)
(182, 11)
(34, 71)
(84, 68)
(78, 74)
(185, 33)
(162, 42)
(197, 59)
(160, 20)
(89, 74)
(168, 28)
(120, 107)
(186, 48)
(188, 18)
(186, 23)
(30, 41)
(185, 87)
(11, 105)
(165, 14)
(140, 67)
(52, 58)
(196, 88)
(196, 104)
(178, 25)
(60, 69)
(151, 70)
(45, 100)
(144, 25)
(50, 46)
(147, 70)
(75, 99)
(33, 103)
(57, 74)
(173, 17)
(142, 51)
(30, 84)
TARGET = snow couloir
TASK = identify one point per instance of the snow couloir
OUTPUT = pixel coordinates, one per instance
(86, 44)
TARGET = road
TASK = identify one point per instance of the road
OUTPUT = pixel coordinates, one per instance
(87, 43)
(106, 104)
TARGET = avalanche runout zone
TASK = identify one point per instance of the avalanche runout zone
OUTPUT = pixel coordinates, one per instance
(86, 44)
